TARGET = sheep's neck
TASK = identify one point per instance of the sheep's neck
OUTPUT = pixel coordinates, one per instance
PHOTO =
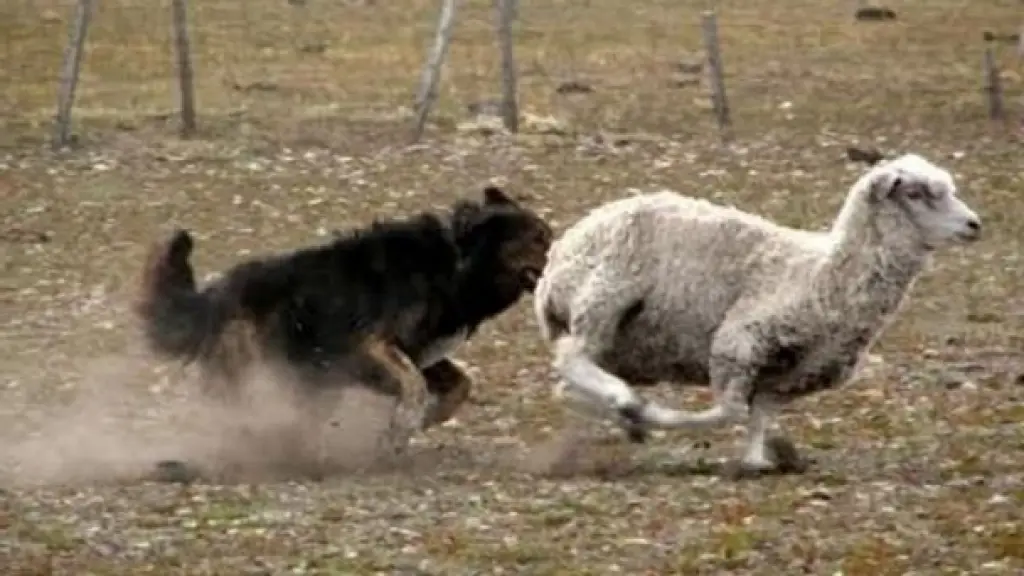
(865, 278)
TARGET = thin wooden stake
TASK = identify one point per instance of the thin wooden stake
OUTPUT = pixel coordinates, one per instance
(506, 12)
(431, 76)
(1020, 43)
(709, 27)
(186, 86)
(993, 87)
(73, 54)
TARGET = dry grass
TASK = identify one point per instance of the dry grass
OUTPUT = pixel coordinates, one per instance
(304, 114)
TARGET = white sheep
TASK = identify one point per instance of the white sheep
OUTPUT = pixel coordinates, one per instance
(663, 287)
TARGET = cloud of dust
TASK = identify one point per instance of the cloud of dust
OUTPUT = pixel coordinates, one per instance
(116, 429)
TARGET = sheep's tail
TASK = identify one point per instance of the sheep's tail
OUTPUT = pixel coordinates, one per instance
(552, 326)
(176, 318)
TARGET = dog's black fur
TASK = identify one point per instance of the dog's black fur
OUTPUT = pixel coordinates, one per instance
(366, 306)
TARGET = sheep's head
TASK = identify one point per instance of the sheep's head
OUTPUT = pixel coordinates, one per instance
(911, 192)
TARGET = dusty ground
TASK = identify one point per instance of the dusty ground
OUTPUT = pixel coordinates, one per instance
(920, 465)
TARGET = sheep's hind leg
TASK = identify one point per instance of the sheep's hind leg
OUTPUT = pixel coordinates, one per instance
(594, 389)
(730, 406)
(587, 380)
(756, 453)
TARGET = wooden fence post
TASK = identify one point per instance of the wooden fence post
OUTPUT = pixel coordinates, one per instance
(993, 86)
(185, 73)
(73, 54)
(506, 13)
(431, 75)
(709, 27)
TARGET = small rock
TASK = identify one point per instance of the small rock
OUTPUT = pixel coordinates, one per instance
(983, 317)
(483, 125)
(998, 499)
(951, 381)
(175, 472)
(574, 87)
(544, 125)
(875, 13)
(866, 156)
(819, 493)
(683, 80)
(691, 67)
(313, 48)
(484, 108)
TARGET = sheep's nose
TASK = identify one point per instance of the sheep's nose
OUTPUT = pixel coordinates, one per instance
(973, 229)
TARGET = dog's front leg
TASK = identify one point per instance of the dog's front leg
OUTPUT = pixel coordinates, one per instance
(404, 380)
(449, 386)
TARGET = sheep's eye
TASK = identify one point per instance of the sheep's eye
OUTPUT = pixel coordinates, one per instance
(915, 193)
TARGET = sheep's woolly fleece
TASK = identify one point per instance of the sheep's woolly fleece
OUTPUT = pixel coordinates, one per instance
(664, 287)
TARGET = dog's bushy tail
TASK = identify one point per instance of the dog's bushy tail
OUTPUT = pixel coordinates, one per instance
(176, 318)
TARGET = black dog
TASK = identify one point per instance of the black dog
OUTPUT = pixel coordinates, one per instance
(383, 305)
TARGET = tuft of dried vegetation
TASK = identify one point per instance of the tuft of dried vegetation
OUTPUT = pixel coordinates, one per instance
(304, 119)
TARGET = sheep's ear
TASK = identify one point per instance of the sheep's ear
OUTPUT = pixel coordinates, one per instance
(495, 195)
(885, 184)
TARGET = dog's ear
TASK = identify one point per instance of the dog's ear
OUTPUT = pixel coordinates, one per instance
(494, 195)
(486, 233)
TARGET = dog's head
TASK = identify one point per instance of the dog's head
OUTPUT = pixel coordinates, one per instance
(512, 238)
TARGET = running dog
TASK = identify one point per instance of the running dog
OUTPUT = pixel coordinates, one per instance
(383, 305)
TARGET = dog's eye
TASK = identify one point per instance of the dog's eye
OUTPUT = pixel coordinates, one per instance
(915, 193)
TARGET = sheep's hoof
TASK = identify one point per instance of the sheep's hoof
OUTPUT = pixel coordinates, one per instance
(637, 435)
(633, 414)
(784, 459)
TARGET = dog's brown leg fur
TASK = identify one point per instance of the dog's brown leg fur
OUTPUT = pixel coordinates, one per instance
(406, 383)
(450, 385)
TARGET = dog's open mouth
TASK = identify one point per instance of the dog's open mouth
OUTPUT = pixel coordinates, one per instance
(530, 276)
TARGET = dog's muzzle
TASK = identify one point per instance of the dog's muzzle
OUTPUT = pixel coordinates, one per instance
(529, 278)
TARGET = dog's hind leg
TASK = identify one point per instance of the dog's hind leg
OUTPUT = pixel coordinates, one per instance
(228, 359)
(449, 386)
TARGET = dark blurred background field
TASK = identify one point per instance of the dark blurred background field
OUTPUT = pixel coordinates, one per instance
(305, 112)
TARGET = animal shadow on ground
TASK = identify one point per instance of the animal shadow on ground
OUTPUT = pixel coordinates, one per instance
(575, 452)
